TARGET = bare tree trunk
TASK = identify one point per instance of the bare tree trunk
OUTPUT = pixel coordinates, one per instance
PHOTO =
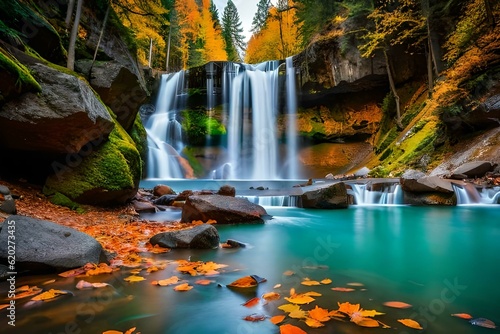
(168, 47)
(69, 13)
(430, 79)
(74, 33)
(150, 52)
(393, 89)
(100, 38)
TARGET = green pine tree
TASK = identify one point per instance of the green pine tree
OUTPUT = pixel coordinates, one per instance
(232, 32)
(260, 18)
(215, 14)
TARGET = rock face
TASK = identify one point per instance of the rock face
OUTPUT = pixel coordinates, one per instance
(118, 88)
(63, 118)
(200, 236)
(330, 197)
(473, 169)
(223, 209)
(43, 245)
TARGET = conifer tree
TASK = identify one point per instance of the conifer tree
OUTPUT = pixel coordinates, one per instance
(215, 15)
(232, 32)
(260, 18)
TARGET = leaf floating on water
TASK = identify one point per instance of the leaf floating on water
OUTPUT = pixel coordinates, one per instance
(288, 273)
(271, 296)
(312, 294)
(300, 299)
(341, 289)
(483, 322)
(309, 282)
(465, 316)
(313, 323)
(100, 269)
(348, 308)
(204, 282)
(370, 313)
(49, 281)
(251, 302)
(365, 322)
(396, 304)
(27, 291)
(51, 294)
(326, 281)
(355, 284)
(134, 278)
(244, 282)
(277, 319)
(84, 284)
(289, 307)
(291, 329)
(410, 323)
(319, 314)
(168, 281)
(298, 314)
(183, 287)
(255, 317)
(277, 286)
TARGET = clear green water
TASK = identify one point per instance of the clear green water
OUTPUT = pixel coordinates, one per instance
(440, 260)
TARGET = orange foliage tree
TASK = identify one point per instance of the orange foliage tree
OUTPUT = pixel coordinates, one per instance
(278, 39)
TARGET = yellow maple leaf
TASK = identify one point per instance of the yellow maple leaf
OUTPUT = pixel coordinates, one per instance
(300, 299)
(168, 281)
(134, 278)
(271, 296)
(348, 308)
(326, 281)
(313, 323)
(410, 323)
(312, 294)
(52, 293)
(244, 282)
(365, 322)
(319, 314)
(297, 314)
(309, 282)
(183, 287)
(289, 307)
(370, 313)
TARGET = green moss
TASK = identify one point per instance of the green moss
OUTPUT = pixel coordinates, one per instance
(25, 81)
(197, 125)
(140, 138)
(62, 200)
(387, 140)
(411, 113)
(189, 154)
(115, 165)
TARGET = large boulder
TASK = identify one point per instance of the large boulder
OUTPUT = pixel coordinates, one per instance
(117, 86)
(473, 169)
(63, 118)
(333, 196)
(426, 184)
(223, 209)
(200, 236)
(43, 245)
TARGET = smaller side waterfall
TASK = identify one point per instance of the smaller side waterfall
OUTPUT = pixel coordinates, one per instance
(164, 129)
(384, 194)
(468, 194)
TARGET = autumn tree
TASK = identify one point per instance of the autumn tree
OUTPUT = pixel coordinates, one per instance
(188, 21)
(232, 32)
(213, 47)
(260, 17)
(215, 15)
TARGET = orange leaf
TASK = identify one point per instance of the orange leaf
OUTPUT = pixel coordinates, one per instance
(319, 314)
(465, 316)
(290, 329)
(204, 282)
(309, 282)
(365, 322)
(51, 294)
(112, 332)
(396, 304)
(72, 272)
(300, 299)
(251, 302)
(410, 323)
(183, 287)
(297, 314)
(130, 331)
(168, 281)
(277, 319)
(348, 308)
(49, 281)
(289, 307)
(326, 281)
(271, 296)
(313, 323)
(244, 282)
(26, 291)
(2, 306)
(312, 294)
(343, 289)
(134, 278)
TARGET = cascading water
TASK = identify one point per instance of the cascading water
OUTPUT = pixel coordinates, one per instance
(387, 195)
(164, 130)
(468, 194)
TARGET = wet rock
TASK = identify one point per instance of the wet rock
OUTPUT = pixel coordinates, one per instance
(429, 198)
(329, 176)
(329, 197)
(201, 236)
(43, 245)
(426, 184)
(7, 202)
(227, 190)
(223, 209)
(162, 189)
(63, 118)
(143, 207)
(473, 169)
(165, 200)
(235, 243)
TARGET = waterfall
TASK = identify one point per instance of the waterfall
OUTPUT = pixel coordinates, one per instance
(388, 195)
(468, 194)
(164, 129)
(291, 97)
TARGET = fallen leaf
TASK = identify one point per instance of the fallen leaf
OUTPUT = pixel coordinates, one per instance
(244, 282)
(49, 281)
(251, 302)
(365, 322)
(326, 281)
(355, 284)
(300, 299)
(289, 307)
(348, 308)
(255, 317)
(370, 313)
(465, 316)
(27, 291)
(309, 282)
(277, 286)
(275, 320)
(168, 281)
(313, 323)
(288, 273)
(271, 296)
(183, 287)
(134, 278)
(336, 314)
(2, 306)
(130, 331)
(84, 284)
(203, 282)
(73, 272)
(341, 289)
(396, 304)
(50, 294)
(102, 268)
(410, 323)
(112, 332)
(291, 329)
(312, 294)
(298, 314)
(319, 314)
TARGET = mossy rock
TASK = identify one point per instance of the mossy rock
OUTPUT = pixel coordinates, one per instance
(15, 78)
(108, 175)
(140, 138)
(63, 200)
